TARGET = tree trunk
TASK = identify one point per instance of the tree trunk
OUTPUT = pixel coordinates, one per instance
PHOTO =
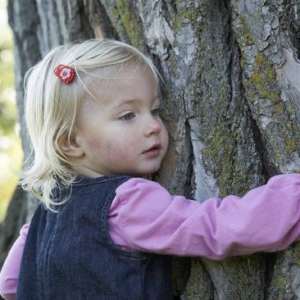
(231, 106)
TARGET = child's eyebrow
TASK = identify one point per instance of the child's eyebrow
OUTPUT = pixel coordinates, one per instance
(132, 100)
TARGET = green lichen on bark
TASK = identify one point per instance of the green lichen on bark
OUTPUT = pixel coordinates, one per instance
(199, 285)
(262, 86)
(244, 277)
(263, 82)
(127, 24)
(186, 28)
(284, 282)
(207, 96)
(186, 14)
(243, 33)
(225, 158)
(218, 156)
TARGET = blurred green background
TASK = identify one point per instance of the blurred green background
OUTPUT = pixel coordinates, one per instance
(10, 145)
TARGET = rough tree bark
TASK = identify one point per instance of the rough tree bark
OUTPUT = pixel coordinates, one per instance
(232, 74)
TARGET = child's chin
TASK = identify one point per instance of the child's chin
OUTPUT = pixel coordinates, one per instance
(147, 172)
(153, 171)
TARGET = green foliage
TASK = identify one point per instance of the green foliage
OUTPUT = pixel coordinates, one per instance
(11, 160)
(10, 145)
(8, 112)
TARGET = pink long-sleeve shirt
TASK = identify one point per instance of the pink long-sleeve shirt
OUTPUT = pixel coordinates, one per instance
(145, 217)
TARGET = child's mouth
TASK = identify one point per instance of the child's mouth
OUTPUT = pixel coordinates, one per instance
(152, 151)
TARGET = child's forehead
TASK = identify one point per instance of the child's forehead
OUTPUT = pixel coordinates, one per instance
(120, 77)
(132, 71)
(127, 82)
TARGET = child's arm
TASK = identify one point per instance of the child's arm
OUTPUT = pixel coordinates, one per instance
(10, 271)
(151, 220)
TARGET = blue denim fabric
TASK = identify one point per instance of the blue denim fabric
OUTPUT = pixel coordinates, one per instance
(69, 255)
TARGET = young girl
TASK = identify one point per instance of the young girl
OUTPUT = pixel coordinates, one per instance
(102, 231)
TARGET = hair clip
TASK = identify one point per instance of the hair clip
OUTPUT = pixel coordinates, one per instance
(65, 73)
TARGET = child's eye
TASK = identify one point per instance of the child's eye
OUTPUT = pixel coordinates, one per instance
(156, 112)
(128, 117)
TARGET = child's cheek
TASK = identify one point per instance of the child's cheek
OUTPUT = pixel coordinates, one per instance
(120, 149)
(94, 145)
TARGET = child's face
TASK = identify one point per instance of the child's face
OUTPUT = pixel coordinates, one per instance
(124, 134)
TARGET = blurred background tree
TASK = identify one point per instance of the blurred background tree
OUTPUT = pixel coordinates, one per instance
(10, 147)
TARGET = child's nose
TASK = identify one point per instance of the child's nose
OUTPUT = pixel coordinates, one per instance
(154, 127)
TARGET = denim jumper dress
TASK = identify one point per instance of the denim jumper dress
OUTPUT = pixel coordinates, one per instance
(69, 254)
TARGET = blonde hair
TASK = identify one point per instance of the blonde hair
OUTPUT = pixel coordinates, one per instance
(51, 107)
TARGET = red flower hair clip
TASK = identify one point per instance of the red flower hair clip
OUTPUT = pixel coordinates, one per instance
(65, 73)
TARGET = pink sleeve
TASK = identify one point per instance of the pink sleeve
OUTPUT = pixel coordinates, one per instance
(145, 217)
(10, 271)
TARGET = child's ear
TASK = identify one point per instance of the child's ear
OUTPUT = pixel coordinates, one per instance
(70, 146)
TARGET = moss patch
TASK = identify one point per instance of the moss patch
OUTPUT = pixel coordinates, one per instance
(127, 23)
(263, 80)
